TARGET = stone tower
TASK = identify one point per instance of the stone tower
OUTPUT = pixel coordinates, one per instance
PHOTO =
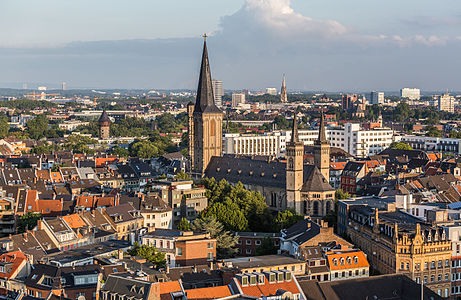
(283, 91)
(207, 118)
(295, 168)
(322, 151)
(190, 115)
(104, 126)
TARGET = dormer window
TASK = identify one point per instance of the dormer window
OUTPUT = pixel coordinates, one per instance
(349, 260)
(356, 260)
(335, 262)
(341, 261)
(244, 281)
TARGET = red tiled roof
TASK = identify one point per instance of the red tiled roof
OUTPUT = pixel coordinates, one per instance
(338, 165)
(168, 287)
(269, 289)
(209, 293)
(361, 260)
(17, 258)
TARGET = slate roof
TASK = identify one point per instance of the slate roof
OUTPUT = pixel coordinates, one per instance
(301, 232)
(127, 286)
(315, 182)
(259, 172)
(205, 98)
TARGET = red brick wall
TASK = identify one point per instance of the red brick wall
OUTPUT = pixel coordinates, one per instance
(194, 252)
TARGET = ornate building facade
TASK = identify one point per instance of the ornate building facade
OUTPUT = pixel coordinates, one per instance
(396, 242)
(205, 122)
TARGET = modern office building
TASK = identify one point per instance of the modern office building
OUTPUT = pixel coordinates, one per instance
(411, 94)
(238, 98)
(446, 102)
(376, 97)
(432, 144)
(350, 138)
(218, 92)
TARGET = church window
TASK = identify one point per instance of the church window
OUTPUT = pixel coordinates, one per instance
(316, 208)
(212, 128)
(290, 163)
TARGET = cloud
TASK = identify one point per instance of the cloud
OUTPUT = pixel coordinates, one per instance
(251, 49)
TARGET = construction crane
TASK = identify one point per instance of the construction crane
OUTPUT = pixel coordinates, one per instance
(41, 95)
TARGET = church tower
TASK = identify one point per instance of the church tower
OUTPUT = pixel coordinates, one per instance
(295, 168)
(283, 91)
(104, 126)
(322, 151)
(206, 128)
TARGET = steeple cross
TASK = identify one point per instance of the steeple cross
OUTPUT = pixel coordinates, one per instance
(204, 36)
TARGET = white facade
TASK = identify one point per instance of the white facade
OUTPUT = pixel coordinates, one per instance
(271, 91)
(376, 98)
(432, 144)
(446, 102)
(238, 98)
(350, 138)
(218, 92)
(412, 94)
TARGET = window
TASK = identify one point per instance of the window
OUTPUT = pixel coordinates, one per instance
(439, 278)
(447, 262)
(210, 256)
(179, 251)
(440, 264)
(248, 242)
(432, 278)
(258, 242)
(210, 245)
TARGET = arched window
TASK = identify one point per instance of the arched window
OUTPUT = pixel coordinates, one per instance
(315, 210)
(212, 128)
(335, 262)
(341, 261)
(290, 164)
(349, 260)
(328, 208)
(356, 260)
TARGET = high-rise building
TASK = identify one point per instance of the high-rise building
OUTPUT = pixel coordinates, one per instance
(218, 92)
(283, 91)
(411, 94)
(376, 97)
(237, 98)
(446, 102)
(63, 87)
(348, 102)
(206, 125)
(271, 91)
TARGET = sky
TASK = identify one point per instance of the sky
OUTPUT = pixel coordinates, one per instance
(321, 45)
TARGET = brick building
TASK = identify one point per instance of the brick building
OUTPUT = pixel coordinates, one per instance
(248, 242)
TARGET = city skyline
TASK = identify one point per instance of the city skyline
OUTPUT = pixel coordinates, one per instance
(314, 45)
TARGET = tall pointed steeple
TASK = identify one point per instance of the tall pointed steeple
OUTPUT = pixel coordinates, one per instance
(205, 121)
(283, 91)
(205, 98)
(322, 139)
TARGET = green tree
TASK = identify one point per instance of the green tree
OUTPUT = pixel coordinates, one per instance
(281, 122)
(237, 208)
(4, 126)
(144, 149)
(79, 144)
(225, 241)
(37, 127)
(120, 151)
(400, 146)
(286, 219)
(267, 247)
(184, 225)
(182, 176)
(341, 195)
(151, 254)
(28, 221)
(433, 131)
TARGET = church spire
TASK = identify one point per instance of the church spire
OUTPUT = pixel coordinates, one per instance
(283, 91)
(205, 98)
(322, 139)
(294, 129)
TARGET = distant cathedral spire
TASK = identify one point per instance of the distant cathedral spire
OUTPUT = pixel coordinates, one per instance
(283, 91)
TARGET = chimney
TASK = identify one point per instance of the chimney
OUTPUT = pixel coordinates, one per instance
(120, 254)
(167, 268)
(25, 236)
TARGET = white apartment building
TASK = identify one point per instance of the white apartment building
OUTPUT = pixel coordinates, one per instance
(446, 102)
(350, 138)
(218, 92)
(376, 98)
(271, 91)
(238, 98)
(432, 144)
(412, 94)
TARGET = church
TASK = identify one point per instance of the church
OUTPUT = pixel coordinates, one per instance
(295, 185)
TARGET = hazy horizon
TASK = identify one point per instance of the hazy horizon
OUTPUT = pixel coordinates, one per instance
(321, 46)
